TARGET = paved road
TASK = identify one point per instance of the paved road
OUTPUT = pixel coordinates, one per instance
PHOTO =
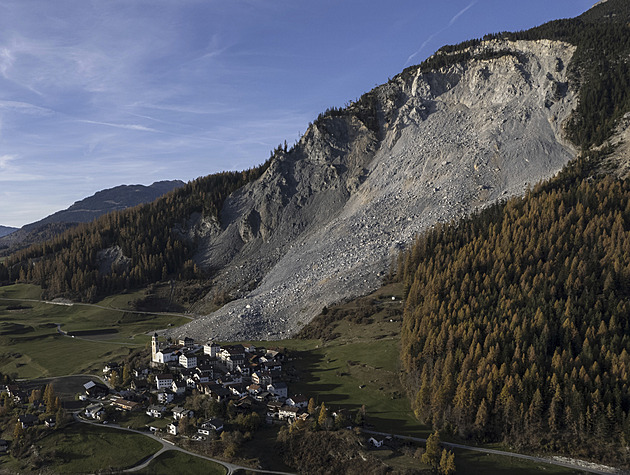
(230, 467)
(530, 458)
(115, 309)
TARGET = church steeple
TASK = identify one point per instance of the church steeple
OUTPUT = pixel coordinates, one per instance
(155, 346)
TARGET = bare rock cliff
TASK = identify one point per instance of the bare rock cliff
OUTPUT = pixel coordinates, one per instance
(325, 220)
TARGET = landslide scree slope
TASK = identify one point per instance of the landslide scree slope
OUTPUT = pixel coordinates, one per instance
(327, 217)
(322, 220)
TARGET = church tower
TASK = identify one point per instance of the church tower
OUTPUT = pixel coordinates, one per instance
(155, 346)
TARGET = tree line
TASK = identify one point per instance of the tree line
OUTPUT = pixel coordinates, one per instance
(70, 264)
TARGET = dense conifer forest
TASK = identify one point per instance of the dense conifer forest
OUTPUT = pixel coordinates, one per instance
(69, 264)
(517, 321)
(517, 324)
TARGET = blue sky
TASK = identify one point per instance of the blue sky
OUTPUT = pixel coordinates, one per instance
(98, 93)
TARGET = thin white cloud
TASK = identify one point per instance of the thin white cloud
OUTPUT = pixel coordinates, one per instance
(6, 61)
(461, 12)
(422, 46)
(5, 160)
(137, 127)
(25, 108)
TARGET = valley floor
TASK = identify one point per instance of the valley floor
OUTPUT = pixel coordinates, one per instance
(349, 361)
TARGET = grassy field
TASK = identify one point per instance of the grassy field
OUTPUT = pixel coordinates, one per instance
(86, 449)
(360, 366)
(31, 346)
(172, 462)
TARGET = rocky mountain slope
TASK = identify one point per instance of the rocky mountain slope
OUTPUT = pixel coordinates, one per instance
(325, 220)
(86, 210)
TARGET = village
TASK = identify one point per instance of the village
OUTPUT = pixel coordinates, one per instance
(215, 397)
(241, 379)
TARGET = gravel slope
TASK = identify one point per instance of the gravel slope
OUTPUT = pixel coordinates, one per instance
(325, 221)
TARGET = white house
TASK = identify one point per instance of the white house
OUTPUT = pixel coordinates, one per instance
(188, 360)
(208, 426)
(173, 428)
(94, 411)
(262, 378)
(278, 389)
(288, 412)
(203, 375)
(179, 412)
(297, 401)
(165, 396)
(163, 381)
(186, 342)
(155, 411)
(211, 348)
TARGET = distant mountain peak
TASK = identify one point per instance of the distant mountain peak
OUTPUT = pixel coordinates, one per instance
(86, 210)
(6, 230)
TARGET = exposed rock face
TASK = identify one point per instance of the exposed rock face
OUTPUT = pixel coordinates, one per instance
(325, 220)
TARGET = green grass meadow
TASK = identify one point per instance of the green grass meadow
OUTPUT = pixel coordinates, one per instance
(173, 462)
(31, 346)
(82, 448)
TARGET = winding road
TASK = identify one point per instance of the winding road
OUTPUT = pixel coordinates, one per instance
(166, 445)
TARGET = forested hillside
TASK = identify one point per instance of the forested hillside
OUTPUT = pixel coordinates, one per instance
(517, 323)
(70, 264)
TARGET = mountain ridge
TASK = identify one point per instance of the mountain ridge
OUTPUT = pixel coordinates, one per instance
(318, 222)
(85, 210)
(4, 230)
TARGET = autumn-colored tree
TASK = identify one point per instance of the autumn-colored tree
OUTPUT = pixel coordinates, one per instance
(36, 395)
(431, 455)
(447, 463)
(323, 415)
(114, 379)
(312, 406)
(126, 375)
(18, 431)
(50, 399)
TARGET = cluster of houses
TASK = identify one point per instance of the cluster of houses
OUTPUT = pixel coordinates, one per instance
(250, 377)
(26, 420)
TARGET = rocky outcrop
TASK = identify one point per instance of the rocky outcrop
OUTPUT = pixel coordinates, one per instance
(325, 220)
